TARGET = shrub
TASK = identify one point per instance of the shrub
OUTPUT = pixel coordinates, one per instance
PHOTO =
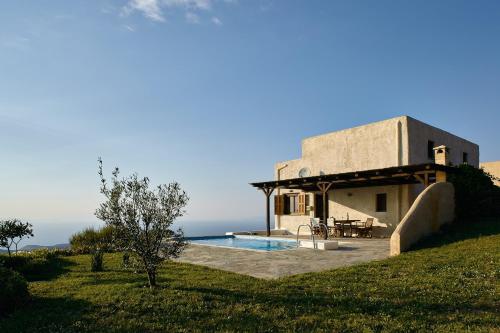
(475, 194)
(13, 291)
(126, 260)
(26, 265)
(32, 265)
(96, 261)
(90, 239)
(62, 252)
(14, 262)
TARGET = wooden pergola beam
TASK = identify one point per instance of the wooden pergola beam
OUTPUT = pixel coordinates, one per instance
(409, 174)
(424, 180)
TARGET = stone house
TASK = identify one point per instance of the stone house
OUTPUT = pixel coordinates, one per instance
(375, 170)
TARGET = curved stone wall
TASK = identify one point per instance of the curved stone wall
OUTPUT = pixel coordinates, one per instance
(434, 207)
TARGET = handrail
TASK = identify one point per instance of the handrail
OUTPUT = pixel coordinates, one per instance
(312, 234)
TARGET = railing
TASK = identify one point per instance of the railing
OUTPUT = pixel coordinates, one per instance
(321, 225)
(312, 234)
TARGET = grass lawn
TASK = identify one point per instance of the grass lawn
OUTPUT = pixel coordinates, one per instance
(449, 283)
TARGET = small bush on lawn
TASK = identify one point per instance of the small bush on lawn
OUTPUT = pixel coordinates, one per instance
(86, 241)
(13, 291)
(16, 262)
(34, 264)
(126, 260)
(25, 264)
(96, 261)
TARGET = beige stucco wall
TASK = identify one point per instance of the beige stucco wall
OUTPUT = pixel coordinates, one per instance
(359, 203)
(492, 168)
(420, 133)
(292, 222)
(388, 143)
(377, 145)
(434, 207)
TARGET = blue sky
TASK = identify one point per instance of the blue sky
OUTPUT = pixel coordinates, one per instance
(212, 92)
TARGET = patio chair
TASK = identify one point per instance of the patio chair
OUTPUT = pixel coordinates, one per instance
(338, 228)
(366, 229)
(317, 227)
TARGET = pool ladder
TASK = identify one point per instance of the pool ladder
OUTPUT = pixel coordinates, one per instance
(312, 235)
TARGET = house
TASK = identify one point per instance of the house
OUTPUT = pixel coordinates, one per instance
(493, 168)
(375, 170)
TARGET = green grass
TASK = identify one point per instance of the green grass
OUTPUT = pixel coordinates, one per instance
(449, 284)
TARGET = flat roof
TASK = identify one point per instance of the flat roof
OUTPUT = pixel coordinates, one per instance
(399, 175)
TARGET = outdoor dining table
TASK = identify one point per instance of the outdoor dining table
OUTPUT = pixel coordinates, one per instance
(345, 223)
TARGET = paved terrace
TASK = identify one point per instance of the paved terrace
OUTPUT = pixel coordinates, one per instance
(276, 264)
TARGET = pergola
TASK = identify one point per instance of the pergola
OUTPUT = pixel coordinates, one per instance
(400, 175)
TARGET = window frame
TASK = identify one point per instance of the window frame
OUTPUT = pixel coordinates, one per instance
(465, 158)
(289, 199)
(378, 208)
(430, 149)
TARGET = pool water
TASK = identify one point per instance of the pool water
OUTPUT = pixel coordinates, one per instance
(245, 242)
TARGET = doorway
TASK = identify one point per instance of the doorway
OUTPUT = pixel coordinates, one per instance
(318, 206)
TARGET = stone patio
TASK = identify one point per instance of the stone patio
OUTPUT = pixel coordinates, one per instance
(276, 264)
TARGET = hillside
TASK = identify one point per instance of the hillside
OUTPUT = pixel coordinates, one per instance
(449, 284)
(36, 247)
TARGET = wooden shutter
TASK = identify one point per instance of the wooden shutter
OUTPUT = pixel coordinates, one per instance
(279, 201)
(302, 204)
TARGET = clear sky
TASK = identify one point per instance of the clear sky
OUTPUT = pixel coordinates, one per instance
(211, 93)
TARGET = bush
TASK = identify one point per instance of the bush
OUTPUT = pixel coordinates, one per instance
(34, 264)
(475, 194)
(61, 252)
(96, 261)
(13, 291)
(90, 239)
(26, 265)
(14, 262)
(126, 260)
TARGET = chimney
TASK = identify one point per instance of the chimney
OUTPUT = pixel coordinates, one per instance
(442, 155)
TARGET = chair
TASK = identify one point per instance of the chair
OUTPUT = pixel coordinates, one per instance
(366, 229)
(317, 227)
(338, 228)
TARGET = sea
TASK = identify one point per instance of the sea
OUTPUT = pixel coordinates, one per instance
(49, 233)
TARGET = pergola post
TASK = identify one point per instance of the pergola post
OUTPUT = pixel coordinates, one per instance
(324, 187)
(424, 180)
(268, 191)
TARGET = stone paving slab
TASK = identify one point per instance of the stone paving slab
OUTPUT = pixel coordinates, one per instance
(276, 264)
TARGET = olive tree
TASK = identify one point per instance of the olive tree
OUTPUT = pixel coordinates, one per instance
(12, 232)
(142, 218)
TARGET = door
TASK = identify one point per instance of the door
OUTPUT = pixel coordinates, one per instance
(318, 206)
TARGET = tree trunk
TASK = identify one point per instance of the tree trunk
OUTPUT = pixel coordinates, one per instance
(152, 278)
(8, 250)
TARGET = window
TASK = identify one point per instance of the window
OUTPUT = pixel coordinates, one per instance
(465, 158)
(291, 204)
(430, 149)
(381, 205)
(294, 204)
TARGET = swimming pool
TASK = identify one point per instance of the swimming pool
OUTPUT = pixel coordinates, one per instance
(245, 242)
